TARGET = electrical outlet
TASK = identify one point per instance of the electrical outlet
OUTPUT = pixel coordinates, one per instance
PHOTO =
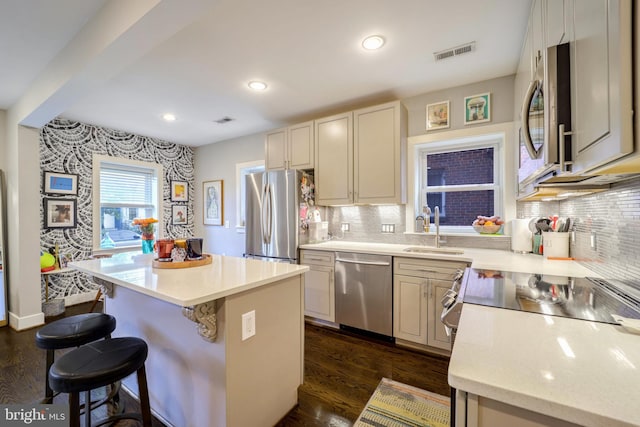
(248, 325)
(388, 228)
(344, 226)
(226, 224)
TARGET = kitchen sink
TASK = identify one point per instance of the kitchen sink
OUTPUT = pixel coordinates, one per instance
(428, 250)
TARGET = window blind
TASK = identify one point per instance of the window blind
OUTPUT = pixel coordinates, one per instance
(126, 186)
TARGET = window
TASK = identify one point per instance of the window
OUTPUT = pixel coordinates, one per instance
(242, 170)
(123, 190)
(462, 178)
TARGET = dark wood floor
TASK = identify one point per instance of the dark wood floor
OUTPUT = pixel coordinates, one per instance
(341, 372)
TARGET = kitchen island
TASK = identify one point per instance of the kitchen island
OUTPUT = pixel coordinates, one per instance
(205, 368)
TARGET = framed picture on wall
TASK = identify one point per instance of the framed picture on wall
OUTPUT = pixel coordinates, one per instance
(60, 183)
(477, 108)
(438, 115)
(213, 202)
(179, 214)
(60, 213)
(179, 191)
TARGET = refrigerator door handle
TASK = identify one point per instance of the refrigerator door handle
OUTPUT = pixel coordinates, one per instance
(264, 213)
(270, 218)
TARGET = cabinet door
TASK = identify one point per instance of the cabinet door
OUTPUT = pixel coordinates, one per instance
(334, 160)
(379, 147)
(555, 22)
(319, 293)
(536, 22)
(276, 149)
(301, 146)
(436, 334)
(410, 308)
(601, 88)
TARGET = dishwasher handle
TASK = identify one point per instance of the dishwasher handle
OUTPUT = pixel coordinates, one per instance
(351, 261)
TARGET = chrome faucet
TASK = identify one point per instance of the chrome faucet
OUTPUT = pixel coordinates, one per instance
(436, 215)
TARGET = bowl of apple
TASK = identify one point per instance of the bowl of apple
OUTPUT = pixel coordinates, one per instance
(488, 224)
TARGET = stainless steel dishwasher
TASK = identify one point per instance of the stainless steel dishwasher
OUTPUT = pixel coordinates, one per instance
(364, 292)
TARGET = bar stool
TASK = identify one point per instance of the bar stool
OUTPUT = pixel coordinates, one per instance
(72, 331)
(98, 364)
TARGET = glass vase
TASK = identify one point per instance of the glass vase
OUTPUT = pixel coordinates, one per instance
(147, 246)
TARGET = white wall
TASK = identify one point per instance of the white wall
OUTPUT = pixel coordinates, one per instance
(501, 90)
(218, 161)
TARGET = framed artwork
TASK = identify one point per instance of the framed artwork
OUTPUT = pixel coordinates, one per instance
(179, 214)
(179, 191)
(477, 108)
(60, 183)
(60, 213)
(438, 115)
(213, 202)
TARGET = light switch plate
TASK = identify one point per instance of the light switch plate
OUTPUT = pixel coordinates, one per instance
(248, 325)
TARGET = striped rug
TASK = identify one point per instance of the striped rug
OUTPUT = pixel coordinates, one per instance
(394, 404)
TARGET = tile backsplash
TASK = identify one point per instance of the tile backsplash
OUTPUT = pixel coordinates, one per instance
(612, 217)
(366, 224)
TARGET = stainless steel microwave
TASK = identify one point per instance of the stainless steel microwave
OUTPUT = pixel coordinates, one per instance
(545, 146)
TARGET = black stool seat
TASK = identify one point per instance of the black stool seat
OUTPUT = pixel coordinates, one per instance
(75, 331)
(96, 365)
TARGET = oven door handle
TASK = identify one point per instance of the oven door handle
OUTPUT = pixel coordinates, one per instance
(448, 330)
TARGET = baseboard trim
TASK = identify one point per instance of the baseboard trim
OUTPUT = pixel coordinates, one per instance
(26, 322)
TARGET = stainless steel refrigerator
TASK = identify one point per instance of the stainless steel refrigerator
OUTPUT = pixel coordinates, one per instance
(273, 225)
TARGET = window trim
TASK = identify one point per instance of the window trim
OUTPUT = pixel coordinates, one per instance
(505, 132)
(241, 171)
(464, 144)
(97, 161)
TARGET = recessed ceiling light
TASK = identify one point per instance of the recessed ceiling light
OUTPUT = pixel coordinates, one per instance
(373, 42)
(257, 85)
(168, 117)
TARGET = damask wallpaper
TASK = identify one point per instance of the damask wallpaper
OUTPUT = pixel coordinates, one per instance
(68, 147)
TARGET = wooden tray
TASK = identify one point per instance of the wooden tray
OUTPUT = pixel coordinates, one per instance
(207, 259)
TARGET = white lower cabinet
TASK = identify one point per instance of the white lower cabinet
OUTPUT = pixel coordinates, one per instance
(410, 308)
(478, 411)
(319, 286)
(418, 287)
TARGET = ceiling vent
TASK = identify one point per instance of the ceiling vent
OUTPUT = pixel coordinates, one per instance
(455, 51)
(224, 120)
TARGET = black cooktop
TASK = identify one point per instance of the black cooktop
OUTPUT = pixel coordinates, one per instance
(578, 298)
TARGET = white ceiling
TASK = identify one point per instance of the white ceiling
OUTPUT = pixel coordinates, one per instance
(196, 61)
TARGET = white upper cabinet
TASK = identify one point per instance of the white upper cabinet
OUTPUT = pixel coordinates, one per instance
(290, 148)
(360, 156)
(334, 160)
(601, 82)
(555, 22)
(536, 28)
(379, 154)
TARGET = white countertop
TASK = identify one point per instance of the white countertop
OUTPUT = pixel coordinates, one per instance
(187, 286)
(488, 259)
(583, 372)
